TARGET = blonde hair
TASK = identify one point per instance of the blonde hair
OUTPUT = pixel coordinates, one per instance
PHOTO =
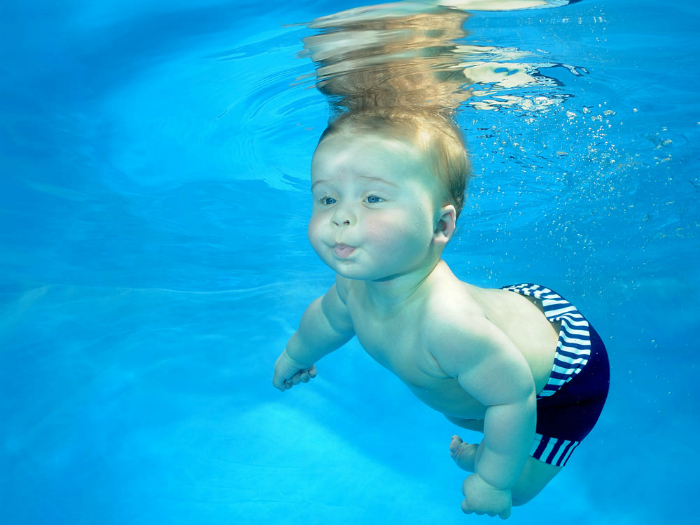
(434, 134)
(393, 70)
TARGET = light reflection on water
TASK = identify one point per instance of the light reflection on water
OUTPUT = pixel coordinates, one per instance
(425, 55)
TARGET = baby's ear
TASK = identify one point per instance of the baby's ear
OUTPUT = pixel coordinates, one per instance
(445, 224)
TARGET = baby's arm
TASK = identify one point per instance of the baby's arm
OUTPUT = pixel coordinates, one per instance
(488, 365)
(325, 326)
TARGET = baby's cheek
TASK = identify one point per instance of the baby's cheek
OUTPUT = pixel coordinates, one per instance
(378, 229)
(314, 232)
(388, 232)
(315, 223)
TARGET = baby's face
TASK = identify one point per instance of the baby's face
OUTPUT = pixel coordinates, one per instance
(375, 206)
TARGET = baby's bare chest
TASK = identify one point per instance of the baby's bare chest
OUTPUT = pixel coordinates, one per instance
(398, 345)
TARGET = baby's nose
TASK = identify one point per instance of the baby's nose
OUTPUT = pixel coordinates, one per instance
(343, 217)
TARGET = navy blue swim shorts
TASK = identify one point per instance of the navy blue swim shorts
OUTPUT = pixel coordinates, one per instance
(569, 406)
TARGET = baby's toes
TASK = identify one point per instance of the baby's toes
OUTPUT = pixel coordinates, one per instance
(455, 445)
(464, 454)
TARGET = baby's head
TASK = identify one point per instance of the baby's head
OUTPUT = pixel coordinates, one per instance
(387, 188)
(389, 173)
(435, 136)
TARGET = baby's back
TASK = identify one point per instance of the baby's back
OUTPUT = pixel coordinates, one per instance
(522, 319)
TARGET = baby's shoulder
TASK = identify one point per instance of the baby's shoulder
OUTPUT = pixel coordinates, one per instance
(454, 310)
(457, 300)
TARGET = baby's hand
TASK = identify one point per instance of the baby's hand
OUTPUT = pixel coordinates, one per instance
(481, 497)
(289, 372)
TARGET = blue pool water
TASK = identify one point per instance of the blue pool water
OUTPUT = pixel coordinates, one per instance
(153, 262)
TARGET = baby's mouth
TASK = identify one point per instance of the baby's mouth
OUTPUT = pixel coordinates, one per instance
(342, 250)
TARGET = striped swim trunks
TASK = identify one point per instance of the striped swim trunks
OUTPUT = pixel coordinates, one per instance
(570, 404)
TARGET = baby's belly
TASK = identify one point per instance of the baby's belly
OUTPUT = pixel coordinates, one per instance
(448, 397)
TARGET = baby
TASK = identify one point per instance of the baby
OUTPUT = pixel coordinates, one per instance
(520, 364)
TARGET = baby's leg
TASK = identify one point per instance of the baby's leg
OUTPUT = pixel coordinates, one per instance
(534, 478)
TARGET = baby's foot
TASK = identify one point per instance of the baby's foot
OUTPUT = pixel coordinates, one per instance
(463, 453)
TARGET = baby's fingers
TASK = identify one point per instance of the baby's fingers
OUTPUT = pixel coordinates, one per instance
(301, 376)
(307, 375)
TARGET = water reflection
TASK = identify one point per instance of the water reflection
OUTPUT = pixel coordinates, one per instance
(419, 55)
(391, 55)
(504, 5)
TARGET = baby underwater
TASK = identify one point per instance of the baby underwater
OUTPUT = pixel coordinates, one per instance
(520, 364)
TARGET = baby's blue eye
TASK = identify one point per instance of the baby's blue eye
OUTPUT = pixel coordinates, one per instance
(328, 201)
(373, 199)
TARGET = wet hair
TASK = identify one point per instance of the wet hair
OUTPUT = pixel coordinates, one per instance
(435, 134)
(393, 70)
